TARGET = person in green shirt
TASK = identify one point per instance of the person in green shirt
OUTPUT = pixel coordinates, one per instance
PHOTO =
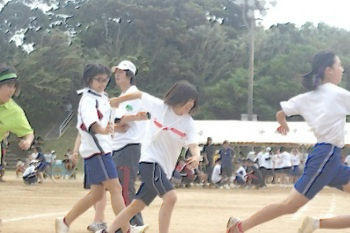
(12, 117)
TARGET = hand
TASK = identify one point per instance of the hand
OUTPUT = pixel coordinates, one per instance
(109, 128)
(121, 128)
(25, 144)
(283, 129)
(142, 116)
(75, 158)
(192, 162)
(113, 69)
(114, 102)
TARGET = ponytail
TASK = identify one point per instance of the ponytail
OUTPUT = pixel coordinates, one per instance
(320, 62)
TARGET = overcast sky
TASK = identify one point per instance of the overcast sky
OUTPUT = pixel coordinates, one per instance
(332, 12)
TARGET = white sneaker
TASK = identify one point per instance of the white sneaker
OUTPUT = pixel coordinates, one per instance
(60, 226)
(101, 231)
(138, 229)
(95, 226)
(232, 225)
(309, 225)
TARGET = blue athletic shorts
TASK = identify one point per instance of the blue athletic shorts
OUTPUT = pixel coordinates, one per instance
(99, 168)
(323, 167)
(154, 182)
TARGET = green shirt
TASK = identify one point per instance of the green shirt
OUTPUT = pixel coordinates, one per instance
(13, 120)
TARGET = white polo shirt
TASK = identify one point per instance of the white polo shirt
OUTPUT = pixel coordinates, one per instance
(324, 109)
(93, 107)
(137, 129)
(167, 134)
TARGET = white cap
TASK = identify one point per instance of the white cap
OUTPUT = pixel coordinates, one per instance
(268, 149)
(127, 65)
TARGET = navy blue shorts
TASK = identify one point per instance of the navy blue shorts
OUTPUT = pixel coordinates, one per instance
(154, 182)
(323, 167)
(99, 168)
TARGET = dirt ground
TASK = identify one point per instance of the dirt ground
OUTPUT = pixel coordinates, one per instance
(30, 209)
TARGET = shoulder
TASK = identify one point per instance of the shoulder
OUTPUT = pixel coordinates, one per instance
(14, 107)
(131, 89)
(87, 98)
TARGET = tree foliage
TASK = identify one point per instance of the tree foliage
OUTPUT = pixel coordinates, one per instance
(168, 40)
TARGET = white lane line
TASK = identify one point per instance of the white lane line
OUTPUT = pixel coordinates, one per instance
(33, 217)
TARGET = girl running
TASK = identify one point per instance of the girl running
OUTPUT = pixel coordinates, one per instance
(324, 108)
(172, 128)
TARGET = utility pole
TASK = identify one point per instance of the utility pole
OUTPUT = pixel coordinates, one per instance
(251, 69)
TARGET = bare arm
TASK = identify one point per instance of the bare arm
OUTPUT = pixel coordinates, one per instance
(96, 128)
(193, 161)
(76, 149)
(281, 118)
(140, 116)
(117, 100)
(26, 141)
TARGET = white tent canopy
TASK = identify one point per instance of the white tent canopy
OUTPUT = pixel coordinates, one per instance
(257, 132)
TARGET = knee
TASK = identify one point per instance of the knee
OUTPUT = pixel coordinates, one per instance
(289, 207)
(170, 199)
(98, 195)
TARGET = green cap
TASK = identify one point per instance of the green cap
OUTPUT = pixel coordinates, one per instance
(7, 76)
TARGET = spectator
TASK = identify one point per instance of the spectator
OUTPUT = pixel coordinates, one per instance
(241, 174)
(216, 177)
(226, 156)
(67, 161)
(42, 165)
(208, 154)
(295, 171)
(20, 166)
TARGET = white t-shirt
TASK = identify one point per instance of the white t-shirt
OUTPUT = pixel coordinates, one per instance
(266, 160)
(216, 174)
(324, 109)
(137, 129)
(167, 134)
(295, 159)
(241, 172)
(277, 161)
(93, 107)
(258, 158)
(286, 159)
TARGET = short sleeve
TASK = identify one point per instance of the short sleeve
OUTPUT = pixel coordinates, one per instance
(151, 102)
(291, 107)
(192, 136)
(346, 100)
(21, 127)
(88, 112)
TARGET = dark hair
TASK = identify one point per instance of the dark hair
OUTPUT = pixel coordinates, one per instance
(5, 69)
(320, 62)
(91, 70)
(131, 75)
(181, 92)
